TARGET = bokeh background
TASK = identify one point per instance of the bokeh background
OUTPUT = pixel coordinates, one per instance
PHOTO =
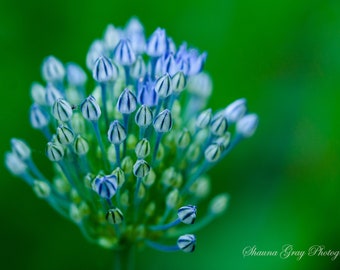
(283, 56)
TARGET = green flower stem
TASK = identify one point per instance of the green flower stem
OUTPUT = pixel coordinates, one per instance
(104, 99)
(124, 259)
(100, 142)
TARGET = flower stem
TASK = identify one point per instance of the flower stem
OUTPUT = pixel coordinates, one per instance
(125, 259)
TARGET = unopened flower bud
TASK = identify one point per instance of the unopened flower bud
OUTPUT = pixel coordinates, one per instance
(204, 118)
(38, 93)
(124, 54)
(14, 164)
(163, 121)
(54, 151)
(62, 110)
(80, 146)
(120, 175)
(170, 66)
(213, 152)
(157, 43)
(52, 69)
(172, 198)
(114, 216)
(184, 139)
(187, 243)
(143, 116)
(163, 86)
(141, 168)
(38, 116)
(178, 82)
(219, 204)
(187, 214)
(127, 102)
(52, 94)
(116, 133)
(127, 164)
(103, 70)
(142, 149)
(106, 186)
(138, 69)
(41, 189)
(21, 149)
(111, 37)
(236, 110)
(219, 125)
(65, 135)
(90, 109)
(75, 75)
(150, 178)
(247, 125)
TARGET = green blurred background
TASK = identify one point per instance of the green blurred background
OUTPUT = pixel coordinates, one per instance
(283, 56)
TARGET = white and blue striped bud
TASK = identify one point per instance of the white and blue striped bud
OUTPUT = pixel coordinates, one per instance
(184, 139)
(142, 149)
(111, 37)
(127, 164)
(124, 54)
(247, 125)
(38, 116)
(187, 214)
(223, 140)
(80, 145)
(187, 243)
(200, 85)
(65, 135)
(114, 216)
(163, 86)
(147, 94)
(219, 204)
(116, 133)
(38, 94)
(141, 168)
(219, 125)
(120, 175)
(106, 186)
(96, 50)
(75, 75)
(52, 94)
(195, 62)
(103, 70)
(21, 149)
(170, 66)
(90, 109)
(135, 32)
(138, 69)
(14, 164)
(150, 178)
(213, 152)
(127, 102)
(52, 69)
(236, 110)
(204, 118)
(143, 117)
(41, 189)
(163, 121)
(172, 198)
(157, 44)
(178, 82)
(62, 110)
(54, 151)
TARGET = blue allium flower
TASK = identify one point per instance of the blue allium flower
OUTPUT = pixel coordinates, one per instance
(130, 157)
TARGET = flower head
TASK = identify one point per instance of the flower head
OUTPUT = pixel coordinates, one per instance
(131, 156)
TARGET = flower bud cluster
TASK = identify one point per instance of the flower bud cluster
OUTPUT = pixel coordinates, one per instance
(130, 156)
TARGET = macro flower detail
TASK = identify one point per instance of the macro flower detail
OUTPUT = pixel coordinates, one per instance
(131, 156)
